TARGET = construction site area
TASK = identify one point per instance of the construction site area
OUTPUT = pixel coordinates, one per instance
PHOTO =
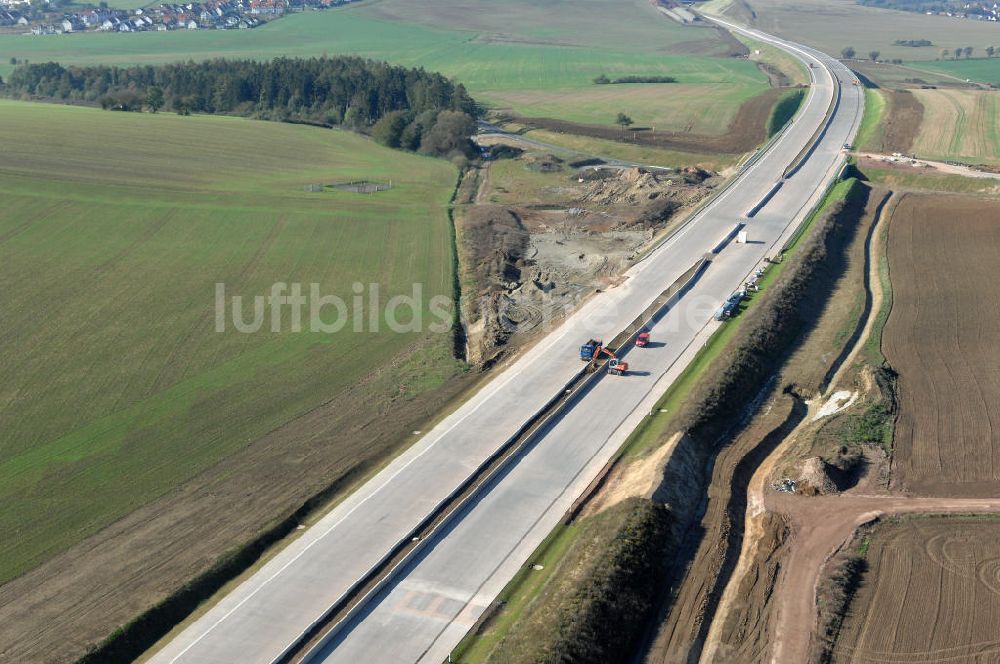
(854, 503)
(840, 518)
(538, 234)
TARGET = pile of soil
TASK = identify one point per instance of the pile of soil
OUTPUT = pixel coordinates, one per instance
(632, 186)
(543, 163)
(814, 477)
(658, 194)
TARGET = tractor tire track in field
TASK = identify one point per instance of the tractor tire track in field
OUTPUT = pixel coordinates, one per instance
(929, 595)
(960, 128)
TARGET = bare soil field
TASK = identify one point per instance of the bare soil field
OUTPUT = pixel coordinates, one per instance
(931, 593)
(818, 528)
(941, 338)
(747, 130)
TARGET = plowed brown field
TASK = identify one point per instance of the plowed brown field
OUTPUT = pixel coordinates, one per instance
(931, 594)
(943, 337)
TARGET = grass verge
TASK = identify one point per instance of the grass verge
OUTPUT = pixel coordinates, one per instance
(897, 179)
(872, 352)
(871, 120)
(784, 110)
(585, 596)
(652, 429)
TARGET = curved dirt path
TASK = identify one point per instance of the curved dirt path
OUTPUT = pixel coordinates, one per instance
(820, 526)
(940, 166)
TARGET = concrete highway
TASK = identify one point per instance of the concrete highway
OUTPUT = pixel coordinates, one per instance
(437, 595)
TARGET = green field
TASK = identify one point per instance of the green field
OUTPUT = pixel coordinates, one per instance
(874, 109)
(114, 230)
(544, 68)
(594, 24)
(898, 179)
(980, 70)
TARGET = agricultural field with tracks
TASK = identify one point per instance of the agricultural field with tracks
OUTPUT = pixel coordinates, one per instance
(941, 338)
(123, 399)
(947, 123)
(958, 125)
(931, 593)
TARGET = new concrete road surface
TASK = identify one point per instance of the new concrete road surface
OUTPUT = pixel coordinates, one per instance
(431, 602)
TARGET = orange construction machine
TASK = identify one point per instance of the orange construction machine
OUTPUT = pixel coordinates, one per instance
(591, 352)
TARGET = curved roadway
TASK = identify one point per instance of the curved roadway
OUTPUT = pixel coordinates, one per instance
(433, 600)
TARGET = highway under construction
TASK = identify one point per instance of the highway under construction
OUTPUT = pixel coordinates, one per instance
(400, 570)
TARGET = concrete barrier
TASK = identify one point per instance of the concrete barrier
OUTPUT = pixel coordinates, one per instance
(696, 271)
(818, 137)
(728, 238)
(472, 485)
(765, 200)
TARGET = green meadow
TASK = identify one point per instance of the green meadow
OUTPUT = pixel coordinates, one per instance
(531, 70)
(114, 230)
(981, 70)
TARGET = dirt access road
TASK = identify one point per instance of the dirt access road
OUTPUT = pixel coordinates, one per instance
(928, 236)
(881, 160)
(819, 526)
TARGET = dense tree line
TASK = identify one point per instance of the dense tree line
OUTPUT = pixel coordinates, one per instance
(343, 91)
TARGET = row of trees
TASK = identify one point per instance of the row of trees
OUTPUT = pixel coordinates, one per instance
(604, 80)
(967, 51)
(331, 91)
(848, 53)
